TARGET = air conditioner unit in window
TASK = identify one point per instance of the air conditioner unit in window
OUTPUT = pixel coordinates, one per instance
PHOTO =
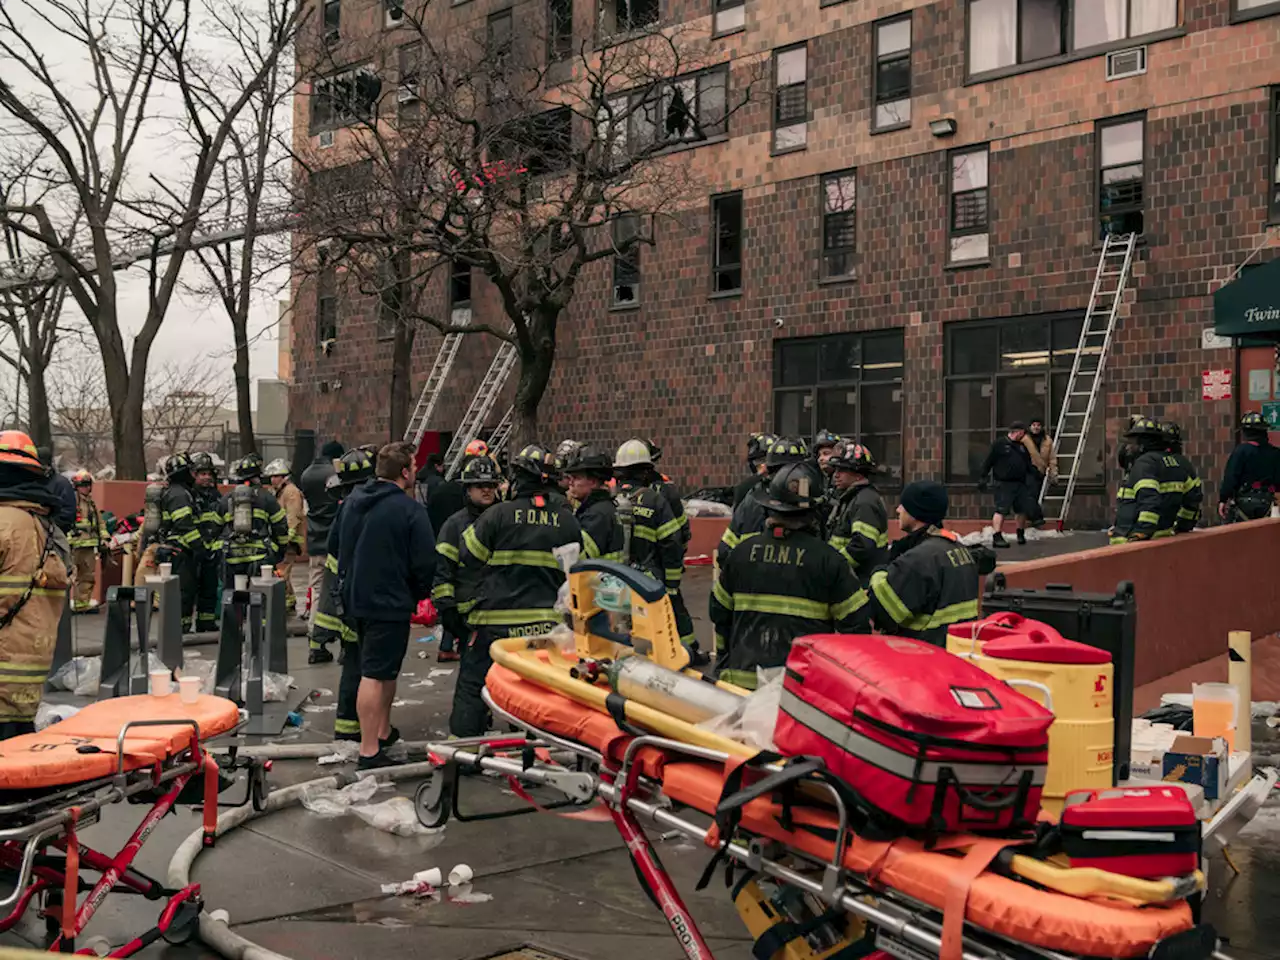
(325, 140)
(1126, 63)
(406, 95)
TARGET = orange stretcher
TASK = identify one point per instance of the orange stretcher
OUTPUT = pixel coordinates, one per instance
(958, 899)
(56, 782)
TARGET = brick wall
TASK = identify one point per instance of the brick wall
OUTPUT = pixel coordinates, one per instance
(695, 372)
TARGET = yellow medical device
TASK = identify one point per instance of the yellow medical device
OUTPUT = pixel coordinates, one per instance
(615, 607)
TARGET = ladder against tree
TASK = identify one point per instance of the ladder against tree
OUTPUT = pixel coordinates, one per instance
(1084, 385)
(431, 389)
(495, 378)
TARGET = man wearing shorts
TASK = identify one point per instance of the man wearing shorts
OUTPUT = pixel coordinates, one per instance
(386, 562)
(1009, 464)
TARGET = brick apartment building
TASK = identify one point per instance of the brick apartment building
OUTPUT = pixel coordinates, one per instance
(901, 244)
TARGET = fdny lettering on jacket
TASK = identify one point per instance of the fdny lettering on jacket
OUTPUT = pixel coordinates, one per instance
(539, 518)
(777, 553)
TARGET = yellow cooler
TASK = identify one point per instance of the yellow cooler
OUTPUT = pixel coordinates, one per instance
(1080, 681)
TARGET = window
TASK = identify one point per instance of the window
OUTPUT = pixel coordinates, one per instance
(850, 383)
(541, 144)
(332, 15)
(459, 287)
(560, 29)
(1103, 21)
(998, 371)
(499, 53)
(892, 77)
(1273, 167)
(690, 109)
(839, 223)
(968, 238)
(394, 12)
(729, 16)
(623, 16)
(389, 300)
(409, 91)
(339, 195)
(1245, 8)
(790, 98)
(344, 98)
(326, 307)
(626, 261)
(726, 243)
(1120, 176)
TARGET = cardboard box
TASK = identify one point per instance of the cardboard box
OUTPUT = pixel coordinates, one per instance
(1198, 760)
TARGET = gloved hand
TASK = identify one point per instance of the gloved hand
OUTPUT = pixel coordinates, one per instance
(454, 622)
(982, 485)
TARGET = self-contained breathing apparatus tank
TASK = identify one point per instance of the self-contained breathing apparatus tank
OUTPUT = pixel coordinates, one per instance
(626, 514)
(242, 511)
(152, 514)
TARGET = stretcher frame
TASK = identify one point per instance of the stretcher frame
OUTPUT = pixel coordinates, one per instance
(629, 796)
(24, 848)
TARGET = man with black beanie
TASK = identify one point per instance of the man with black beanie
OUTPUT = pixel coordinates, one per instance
(931, 580)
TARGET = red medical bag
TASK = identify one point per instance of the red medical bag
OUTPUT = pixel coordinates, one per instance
(919, 734)
(1136, 831)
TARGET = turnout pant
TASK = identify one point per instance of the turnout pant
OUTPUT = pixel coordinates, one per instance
(208, 569)
(470, 716)
(86, 572)
(684, 622)
(284, 570)
(346, 724)
(147, 566)
(315, 574)
(184, 568)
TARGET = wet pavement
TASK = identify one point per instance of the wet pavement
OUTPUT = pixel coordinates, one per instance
(310, 887)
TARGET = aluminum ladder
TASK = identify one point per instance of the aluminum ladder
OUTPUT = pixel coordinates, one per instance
(495, 378)
(431, 389)
(502, 432)
(1087, 369)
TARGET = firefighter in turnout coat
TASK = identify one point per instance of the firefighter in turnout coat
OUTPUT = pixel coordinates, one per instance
(88, 539)
(1150, 495)
(783, 583)
(749, 515)
(589, 472)
(34, 577)
(209, 521)
(453, 591)
(258, 536)
(859, 526)
(179, 541)
(512, 551)
(295, 516)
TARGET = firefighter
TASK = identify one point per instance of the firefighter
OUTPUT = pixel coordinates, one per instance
(295, 515)
(859, 524)
(255, 530)
(662, 483)
(749, 516)
(784, 583)
(329, 622)
(208, 511)
(34, 576)
(88, 540)
(931, 579)
(589, 472)
(1252, 476)
(824, 447)
(320, 510)
(1128, 450)
(145, 544)
(1150, 494)
(453, 591)
(512, 550)
(564, 453)
(1009, 463)
(758, 445)
(655, 543)
(178, 540)
(1191, 494)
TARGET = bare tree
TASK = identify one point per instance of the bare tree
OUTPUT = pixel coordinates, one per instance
(500, 153)
(79, 409)
(137, 52)
(188, 402)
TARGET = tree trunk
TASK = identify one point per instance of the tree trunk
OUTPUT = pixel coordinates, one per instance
(38, 402)
(401, 366)
(244, 409)
(535, 375)
(126, 392)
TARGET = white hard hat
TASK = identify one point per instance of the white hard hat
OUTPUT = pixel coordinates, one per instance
(276, 468)
(633, 453)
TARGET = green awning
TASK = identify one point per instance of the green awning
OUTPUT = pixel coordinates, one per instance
(1250, 304)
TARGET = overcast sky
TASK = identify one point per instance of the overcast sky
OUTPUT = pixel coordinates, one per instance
(195, 326)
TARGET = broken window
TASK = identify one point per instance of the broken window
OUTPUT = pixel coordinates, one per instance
(624, 16)
(390, 296)
(394, 12)
(726, 240)
(344, 98)
(326, 307)
(409, 93)
(626, 260)
(688, 109)
(540, 144)
(459, 286)
(332, 16)
(559, 29)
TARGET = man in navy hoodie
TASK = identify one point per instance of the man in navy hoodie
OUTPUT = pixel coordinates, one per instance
(386, 562)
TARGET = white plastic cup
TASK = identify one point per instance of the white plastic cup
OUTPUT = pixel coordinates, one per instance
(189, 688)
(460, 874)
(430, 877)
(166, 571)
(160, 683)
(267, 572)
(242, 581)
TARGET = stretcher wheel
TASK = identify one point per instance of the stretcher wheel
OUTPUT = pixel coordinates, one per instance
(431, 801)
(97, 946)
(185, 923)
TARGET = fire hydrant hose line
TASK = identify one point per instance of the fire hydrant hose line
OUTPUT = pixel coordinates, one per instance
(216, 934)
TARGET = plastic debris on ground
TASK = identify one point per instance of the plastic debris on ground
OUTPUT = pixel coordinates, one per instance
(276, 686)
(395, 815)
(329, 802)
(407, 703)
(440, 672)
(707, 508)
(753, 722)
(344, 751)
(47, 714)
(320, 708)
(80, 675)
(1032, 535)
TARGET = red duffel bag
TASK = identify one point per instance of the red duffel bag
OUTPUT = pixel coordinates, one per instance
(921, 735)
